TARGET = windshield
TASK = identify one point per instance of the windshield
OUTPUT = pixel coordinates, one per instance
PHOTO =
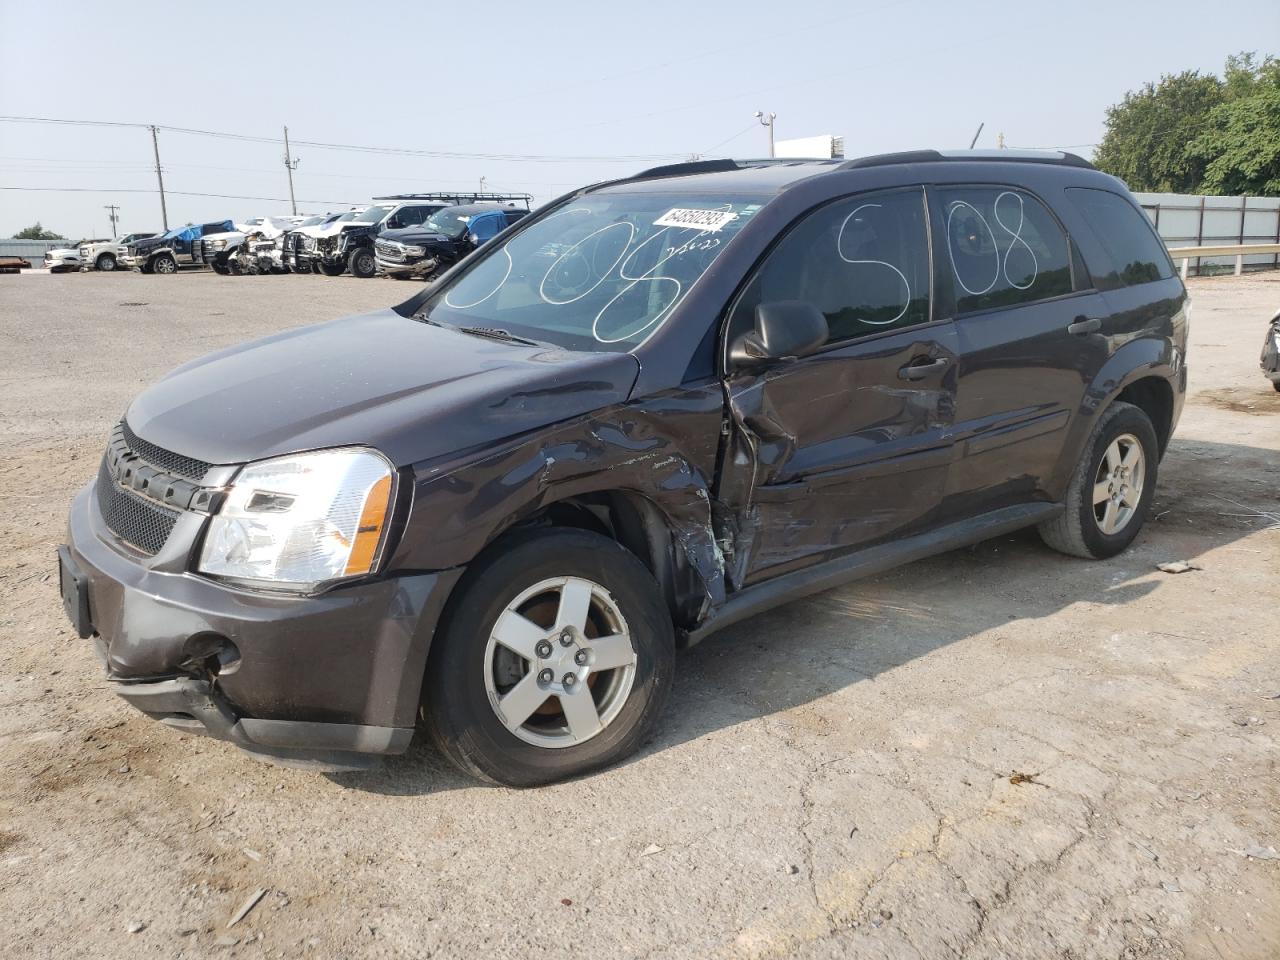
(451, 222)
(603, 273)
(372, 215)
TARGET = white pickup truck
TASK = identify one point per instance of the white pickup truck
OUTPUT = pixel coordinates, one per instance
(105, 254)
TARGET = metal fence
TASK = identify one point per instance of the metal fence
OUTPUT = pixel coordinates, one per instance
(32, 250)
(1185, 220)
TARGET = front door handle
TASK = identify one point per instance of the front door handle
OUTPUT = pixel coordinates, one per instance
(918, 371)
(1083, 326)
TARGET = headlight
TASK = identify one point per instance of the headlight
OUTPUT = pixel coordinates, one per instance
(219, 244)
(415, 251)
(299, 521)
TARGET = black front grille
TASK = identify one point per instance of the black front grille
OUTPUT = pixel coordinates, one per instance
(188, 467)
(134, 520)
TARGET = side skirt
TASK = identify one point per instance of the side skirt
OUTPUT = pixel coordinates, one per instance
(870, 561)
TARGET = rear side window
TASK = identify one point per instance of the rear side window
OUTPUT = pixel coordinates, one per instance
(1134, 253)
(1003, 248)
(864, 262)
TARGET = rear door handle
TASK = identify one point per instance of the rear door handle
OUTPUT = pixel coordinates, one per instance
(1083, 326)
(918, 371)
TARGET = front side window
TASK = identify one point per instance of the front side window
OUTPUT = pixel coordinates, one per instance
(601, 273)
(1003, 248)
(864, 262)
(1135, 254)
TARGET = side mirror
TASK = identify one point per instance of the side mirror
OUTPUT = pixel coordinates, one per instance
(784, 328)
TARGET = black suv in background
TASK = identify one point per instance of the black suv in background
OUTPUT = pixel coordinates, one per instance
(654, 408)
(441, 240)
(348, 245)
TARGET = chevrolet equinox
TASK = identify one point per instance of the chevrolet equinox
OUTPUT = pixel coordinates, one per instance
(655, 407)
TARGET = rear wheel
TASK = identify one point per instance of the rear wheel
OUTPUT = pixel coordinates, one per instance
(1110, 492)
(106, 262)
(363, 263)
(164, 264)
(556, 659)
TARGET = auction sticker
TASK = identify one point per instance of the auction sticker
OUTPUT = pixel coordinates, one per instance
(708, 220)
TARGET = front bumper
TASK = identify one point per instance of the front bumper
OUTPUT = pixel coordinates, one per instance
(1270, 359)
(401, 268)
(329, 680)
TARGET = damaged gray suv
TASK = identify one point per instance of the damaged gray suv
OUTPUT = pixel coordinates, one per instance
(653, 408)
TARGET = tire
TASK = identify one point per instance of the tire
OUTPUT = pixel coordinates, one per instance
(221, 269)
(106, 262)
(1079, 531)
(1276, 385)
(332, 269)
(164, 264)
(146, 268)
(468, 665)
(362, 263)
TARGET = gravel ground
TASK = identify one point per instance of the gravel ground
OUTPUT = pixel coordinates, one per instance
(996, 753)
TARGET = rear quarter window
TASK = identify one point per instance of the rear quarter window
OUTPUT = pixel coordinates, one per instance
(1133, 252)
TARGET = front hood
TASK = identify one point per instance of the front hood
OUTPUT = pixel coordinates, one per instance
(65, 252)
(414, 391)
(414, 235)
(335, 228)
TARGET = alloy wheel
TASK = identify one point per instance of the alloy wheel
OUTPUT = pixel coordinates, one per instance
(559, 664)
(1117, 486)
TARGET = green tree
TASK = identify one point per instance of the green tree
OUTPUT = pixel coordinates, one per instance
(1147, 133)
(37, 232)
(1240, 143)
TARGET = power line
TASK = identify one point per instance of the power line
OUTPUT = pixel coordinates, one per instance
(177, 193)
(360, 148)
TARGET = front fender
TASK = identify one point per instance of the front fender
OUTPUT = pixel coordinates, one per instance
(662, 450)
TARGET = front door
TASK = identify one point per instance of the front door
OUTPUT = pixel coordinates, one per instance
(851, 445)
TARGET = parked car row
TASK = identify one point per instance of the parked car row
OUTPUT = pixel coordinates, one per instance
(407, 236)
(349, 242)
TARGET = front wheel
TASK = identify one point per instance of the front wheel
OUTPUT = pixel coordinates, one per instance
(555, 659)
(164, 264)
(106, 262)
(363, 263)
(332, 269)
(1110, 492)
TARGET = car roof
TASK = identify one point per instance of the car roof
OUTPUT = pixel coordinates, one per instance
(762, 177)
(483, 208)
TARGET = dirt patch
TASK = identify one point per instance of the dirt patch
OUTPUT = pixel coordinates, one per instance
(1262, 402)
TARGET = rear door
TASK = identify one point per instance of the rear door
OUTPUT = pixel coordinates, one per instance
(851, 445)
(1031, 339)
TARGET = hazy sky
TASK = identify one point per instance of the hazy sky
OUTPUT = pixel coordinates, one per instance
(661, 78)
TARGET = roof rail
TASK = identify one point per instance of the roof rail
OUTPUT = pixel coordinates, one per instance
(686, 169)
(462, 197)
(1060, 158)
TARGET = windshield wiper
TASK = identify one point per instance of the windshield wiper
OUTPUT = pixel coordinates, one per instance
(495, 333)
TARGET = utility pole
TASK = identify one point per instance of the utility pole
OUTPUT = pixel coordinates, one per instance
(482, 184)
(111, 209)
(290, 164)
(1000, 141)
(766, 120)
(977, 134)
(164, 211)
